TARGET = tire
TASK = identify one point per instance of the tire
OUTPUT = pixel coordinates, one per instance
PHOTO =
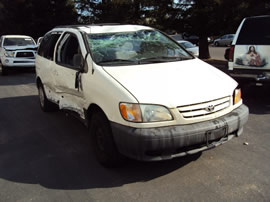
(216, 44)
(45, 104)
(4, 70)
(102, 141)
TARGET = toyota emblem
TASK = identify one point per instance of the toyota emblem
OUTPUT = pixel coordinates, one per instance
(210, 108)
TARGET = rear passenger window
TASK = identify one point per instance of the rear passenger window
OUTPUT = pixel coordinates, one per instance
(46, 48)
(43, 44)
(255, 31)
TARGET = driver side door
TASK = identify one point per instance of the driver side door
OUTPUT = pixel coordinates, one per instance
(66, 71)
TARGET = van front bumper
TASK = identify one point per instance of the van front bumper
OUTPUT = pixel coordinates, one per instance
(155, 144)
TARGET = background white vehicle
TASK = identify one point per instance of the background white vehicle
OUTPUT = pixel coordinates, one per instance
(249, 55)
(193, 49)
(17, 51)
(139, 92)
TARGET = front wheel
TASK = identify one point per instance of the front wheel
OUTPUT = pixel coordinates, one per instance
(216, 44)
(3, 69)
(45, 104)
(102, 141)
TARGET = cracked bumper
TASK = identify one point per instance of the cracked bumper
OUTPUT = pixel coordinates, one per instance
(154, 144)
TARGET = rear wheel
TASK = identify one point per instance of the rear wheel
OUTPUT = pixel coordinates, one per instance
(45, 104)
(102, 141)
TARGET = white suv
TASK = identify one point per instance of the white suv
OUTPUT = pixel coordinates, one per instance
(139, 92)
(249, 55)
(17, 51)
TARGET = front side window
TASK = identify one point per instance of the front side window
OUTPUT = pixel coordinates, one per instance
(68, 50)
(138, 47)
(18, 42)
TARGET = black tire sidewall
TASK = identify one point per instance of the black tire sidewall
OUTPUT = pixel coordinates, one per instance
(48, 105)
(109, 157)
(3, 70)
(40, 87)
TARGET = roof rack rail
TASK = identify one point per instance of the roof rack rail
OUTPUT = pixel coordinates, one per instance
(100, 24)
(85, 25)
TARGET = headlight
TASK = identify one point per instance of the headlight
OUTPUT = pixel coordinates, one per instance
(131, 112)
(9, 54)
(144, 113)
(237, 96)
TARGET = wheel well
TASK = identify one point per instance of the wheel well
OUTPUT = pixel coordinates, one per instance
(93, 108)
(38, 81)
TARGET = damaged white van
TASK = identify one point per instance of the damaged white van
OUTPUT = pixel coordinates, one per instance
(140, 93)
(17, 51)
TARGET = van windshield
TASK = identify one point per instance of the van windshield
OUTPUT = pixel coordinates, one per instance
(255, 31)
(138, 47)
(18, 42)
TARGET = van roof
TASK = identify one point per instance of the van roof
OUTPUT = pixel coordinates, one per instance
(103, 28)
(260, 16)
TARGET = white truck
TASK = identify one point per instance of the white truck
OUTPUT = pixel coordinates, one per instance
(17, 51)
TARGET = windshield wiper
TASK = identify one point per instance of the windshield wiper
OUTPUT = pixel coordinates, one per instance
(160, 59)
(117, 61)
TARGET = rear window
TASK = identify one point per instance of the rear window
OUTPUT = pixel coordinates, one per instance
(255, 31)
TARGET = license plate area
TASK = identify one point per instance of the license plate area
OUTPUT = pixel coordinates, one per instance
(216, 134)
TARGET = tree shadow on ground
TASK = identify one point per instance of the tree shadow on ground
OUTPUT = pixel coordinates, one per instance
(54, 150)
(17, 77)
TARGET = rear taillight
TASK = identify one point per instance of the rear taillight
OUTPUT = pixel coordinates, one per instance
(231, 52)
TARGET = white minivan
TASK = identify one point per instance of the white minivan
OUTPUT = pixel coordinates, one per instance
(139, 92)
(249, 54)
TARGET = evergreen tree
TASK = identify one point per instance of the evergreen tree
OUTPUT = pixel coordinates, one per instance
(35, 18)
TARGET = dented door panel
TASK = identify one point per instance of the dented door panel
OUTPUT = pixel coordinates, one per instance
(70, 98)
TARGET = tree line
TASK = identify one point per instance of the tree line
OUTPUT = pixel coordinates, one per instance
(203, 18)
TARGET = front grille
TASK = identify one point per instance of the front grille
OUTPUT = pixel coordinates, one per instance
(204, 108)
(23, 62)
(24, 54)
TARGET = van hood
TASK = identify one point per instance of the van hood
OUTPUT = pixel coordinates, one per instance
(14, 48)
(174, 84)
